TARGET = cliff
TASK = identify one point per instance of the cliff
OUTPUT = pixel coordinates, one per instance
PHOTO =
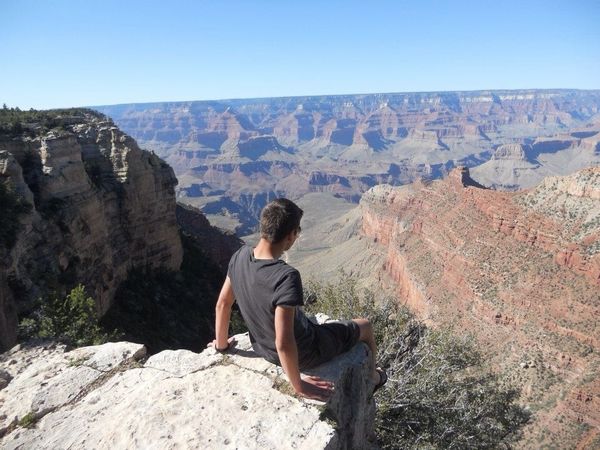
(111, 396)
(100, 206)
(520, 271)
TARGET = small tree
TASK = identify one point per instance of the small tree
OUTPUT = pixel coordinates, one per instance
(72, 320)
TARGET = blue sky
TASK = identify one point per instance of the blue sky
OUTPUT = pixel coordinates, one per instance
(74, 53)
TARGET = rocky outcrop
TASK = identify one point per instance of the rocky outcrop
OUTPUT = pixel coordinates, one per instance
(520, 271)
(109, 396)
(510, 151)
(100, 206)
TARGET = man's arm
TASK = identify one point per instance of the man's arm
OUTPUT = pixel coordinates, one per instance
(222, 315)
(285, 341)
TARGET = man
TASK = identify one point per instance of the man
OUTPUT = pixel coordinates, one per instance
(269, 292)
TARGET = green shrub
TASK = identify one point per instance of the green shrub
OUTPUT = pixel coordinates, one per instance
(72, 320)
(14, 122)
(438, 395)
(28, 420)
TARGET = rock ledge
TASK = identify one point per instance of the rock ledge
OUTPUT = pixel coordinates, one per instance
(107, 397)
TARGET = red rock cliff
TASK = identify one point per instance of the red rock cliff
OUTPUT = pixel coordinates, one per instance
(521, 271)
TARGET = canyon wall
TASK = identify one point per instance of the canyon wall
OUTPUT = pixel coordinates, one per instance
(520, 271)
(99, 206)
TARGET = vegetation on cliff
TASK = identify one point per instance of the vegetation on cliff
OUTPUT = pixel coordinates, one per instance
(439, 393)
(15, 122)
(72, 320)
(159, 308)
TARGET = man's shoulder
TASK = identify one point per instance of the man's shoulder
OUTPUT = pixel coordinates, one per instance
(283, 269)
(243, 249)
(240, 254)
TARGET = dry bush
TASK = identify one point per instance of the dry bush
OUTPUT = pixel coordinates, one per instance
(438, 394)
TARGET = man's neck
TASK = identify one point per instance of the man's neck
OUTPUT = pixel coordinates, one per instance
(266, 250)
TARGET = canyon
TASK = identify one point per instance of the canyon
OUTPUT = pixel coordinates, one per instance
(517, 270)
(94, 208)
(232, 156)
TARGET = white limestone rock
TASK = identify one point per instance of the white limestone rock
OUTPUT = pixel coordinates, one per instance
(108, 356)
(45, 378)
(180, 363)
(180, 399)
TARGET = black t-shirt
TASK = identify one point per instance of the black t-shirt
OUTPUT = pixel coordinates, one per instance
(260, 285)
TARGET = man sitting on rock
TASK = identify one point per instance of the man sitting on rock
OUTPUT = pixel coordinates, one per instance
(269, 292)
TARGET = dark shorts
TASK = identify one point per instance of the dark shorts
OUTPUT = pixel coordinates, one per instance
(332, 339)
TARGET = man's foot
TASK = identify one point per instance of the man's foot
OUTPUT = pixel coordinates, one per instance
(383, 377)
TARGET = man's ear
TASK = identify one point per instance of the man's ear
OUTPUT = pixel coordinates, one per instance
(289, 239)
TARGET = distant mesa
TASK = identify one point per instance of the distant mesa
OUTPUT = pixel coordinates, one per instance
(259, 146)
(326, 179)
(510, 152)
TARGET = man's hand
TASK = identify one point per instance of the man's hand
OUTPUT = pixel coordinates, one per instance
(285, 341)
(315, 388)
(230, 344)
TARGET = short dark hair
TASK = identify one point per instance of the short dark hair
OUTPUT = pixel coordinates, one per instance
(278, 219)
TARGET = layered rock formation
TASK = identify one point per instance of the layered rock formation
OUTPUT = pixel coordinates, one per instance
(520, 271)
(110, 396)
(509, 168)
(232, 153)
(99, 206)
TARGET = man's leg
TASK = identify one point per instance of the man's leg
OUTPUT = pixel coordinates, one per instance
(367, 336)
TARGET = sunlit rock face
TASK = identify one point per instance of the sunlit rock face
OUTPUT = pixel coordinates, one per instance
(99, 206)
(518, 270)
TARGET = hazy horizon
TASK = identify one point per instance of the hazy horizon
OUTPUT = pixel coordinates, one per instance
(349, 94)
